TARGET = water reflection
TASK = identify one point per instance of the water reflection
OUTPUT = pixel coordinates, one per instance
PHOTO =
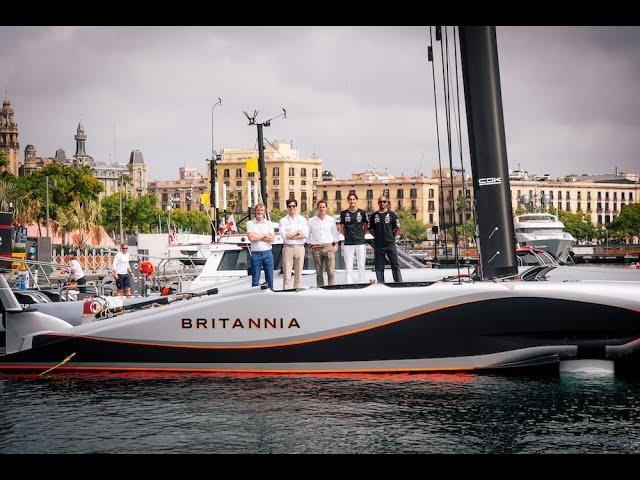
(425, 413)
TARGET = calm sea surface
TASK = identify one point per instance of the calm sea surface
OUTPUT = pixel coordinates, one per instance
(457, 413)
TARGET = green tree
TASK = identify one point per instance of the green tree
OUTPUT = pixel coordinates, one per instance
(139, 214)
(627, 224)
(412, 228)
(66, 184)
(577, 224)
(276, 214)
(192, 221)
(83, 219)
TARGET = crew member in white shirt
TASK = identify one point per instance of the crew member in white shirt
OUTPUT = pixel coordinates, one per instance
(323, 242)
(77, 274)
(261, 233)
(121, 271)
(294, 231)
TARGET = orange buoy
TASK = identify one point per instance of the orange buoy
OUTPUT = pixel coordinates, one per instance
(147, 268)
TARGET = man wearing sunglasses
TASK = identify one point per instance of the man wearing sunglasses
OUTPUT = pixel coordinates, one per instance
(385, 226)
(121, 271)
(294, 231)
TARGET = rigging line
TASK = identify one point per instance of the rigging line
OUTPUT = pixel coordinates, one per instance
(447, 80)
(464, 191)
(435, 101)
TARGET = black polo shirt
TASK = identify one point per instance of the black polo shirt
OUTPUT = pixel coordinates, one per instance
(381, 226)
(353, 223)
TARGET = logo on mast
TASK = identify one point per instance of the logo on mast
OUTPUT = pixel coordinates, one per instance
(490, 181)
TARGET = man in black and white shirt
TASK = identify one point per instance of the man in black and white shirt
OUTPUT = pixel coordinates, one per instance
(353, 225)
(385, 227)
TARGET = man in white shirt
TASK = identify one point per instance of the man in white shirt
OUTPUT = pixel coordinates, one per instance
(77, 275)
(323, 242)
(261, 233)
(294, 231)
(121, 271)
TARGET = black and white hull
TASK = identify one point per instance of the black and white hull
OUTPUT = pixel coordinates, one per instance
(472, 326)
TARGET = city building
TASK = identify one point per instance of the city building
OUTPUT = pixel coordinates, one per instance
(419, 194)
(9, 139)
(183, 194)
(288, 176)
(130, 177)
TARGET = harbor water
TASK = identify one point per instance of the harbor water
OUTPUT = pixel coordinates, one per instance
(421, 413)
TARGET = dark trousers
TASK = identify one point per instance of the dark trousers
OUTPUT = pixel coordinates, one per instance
(390, 252)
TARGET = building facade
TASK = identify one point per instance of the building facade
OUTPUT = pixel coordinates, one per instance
(288, 176)
(9, 139)
(130, 177)
(419, 195)
(183, 194)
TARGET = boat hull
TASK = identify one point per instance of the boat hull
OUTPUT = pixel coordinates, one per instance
(475, 327)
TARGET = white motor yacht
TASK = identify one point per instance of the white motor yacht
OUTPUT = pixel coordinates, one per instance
(543, 230)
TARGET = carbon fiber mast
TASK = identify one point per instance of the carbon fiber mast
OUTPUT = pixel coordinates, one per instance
(487, 145)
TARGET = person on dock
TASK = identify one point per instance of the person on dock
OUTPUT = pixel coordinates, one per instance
(77, 276)
(294, 230)
(385, 228)
(323, 242)
(261, 233)
(121, 270)
(353, 225)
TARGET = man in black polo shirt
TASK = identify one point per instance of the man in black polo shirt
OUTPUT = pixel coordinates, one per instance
(353, 225)
(385, 226)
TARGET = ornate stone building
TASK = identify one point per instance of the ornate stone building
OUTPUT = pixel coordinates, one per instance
(131, 176)
(9, 138)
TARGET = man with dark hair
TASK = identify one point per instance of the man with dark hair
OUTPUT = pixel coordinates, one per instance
(76, 274)
(294, 231)
(353, 225)
(323, 242)
(385, 227)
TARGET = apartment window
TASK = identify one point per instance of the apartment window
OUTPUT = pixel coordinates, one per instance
(369, 205)
(338, 195)
(315, 197)
(226, 173)
(568, 206)
(276, 171)
(579, 207)
(165, 197)
(606, 195)
(551, 194)
(413, 206)
(615, 196)
(599, 219)
(588, 206)
(588, 195)
(314, 173)
(292, 171)
(238, 173)
(599, 195)
(303, 197)
(559, 205)
(400, 193)
(227, 183)
(615, 207)
(579, 195)
(631, 196)
(431, 193)
(431, 205)
(607, 219)
(606, 206)
(399, 204)
(338, 206)
(303, 206)
(276, 196)
(251, 174)
(292, 195)
(431, 218)
(413, 193)
(303, 183)
(369, 194)
(276, 205)
(568, 195)
(622, 195)
(325, 195)
(303, 172)
(239, 183)
(559, 194)
(276, 181)
(599, 207)
(292, 183)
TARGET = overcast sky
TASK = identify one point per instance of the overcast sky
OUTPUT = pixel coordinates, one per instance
(356, 96)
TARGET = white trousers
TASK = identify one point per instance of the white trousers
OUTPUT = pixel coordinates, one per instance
(348, 252)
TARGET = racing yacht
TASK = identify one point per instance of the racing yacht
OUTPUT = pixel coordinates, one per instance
(497, 321)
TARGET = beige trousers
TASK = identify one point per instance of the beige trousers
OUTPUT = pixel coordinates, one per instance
(325, 259)
(292, 257)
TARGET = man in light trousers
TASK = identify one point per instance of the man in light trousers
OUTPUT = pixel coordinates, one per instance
(294, 231)
(354, 226)
(323, 242)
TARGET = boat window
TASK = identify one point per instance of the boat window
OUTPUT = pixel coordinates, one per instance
(235, 260)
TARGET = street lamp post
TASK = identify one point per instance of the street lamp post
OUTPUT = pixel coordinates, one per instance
(46, 178)
(120, 206)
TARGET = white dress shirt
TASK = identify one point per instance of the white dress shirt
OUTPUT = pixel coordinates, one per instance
(290, 224)
(322, 231)
(261, 228)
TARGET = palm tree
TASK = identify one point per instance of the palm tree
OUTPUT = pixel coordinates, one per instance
(8, 194)
(85, 220)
